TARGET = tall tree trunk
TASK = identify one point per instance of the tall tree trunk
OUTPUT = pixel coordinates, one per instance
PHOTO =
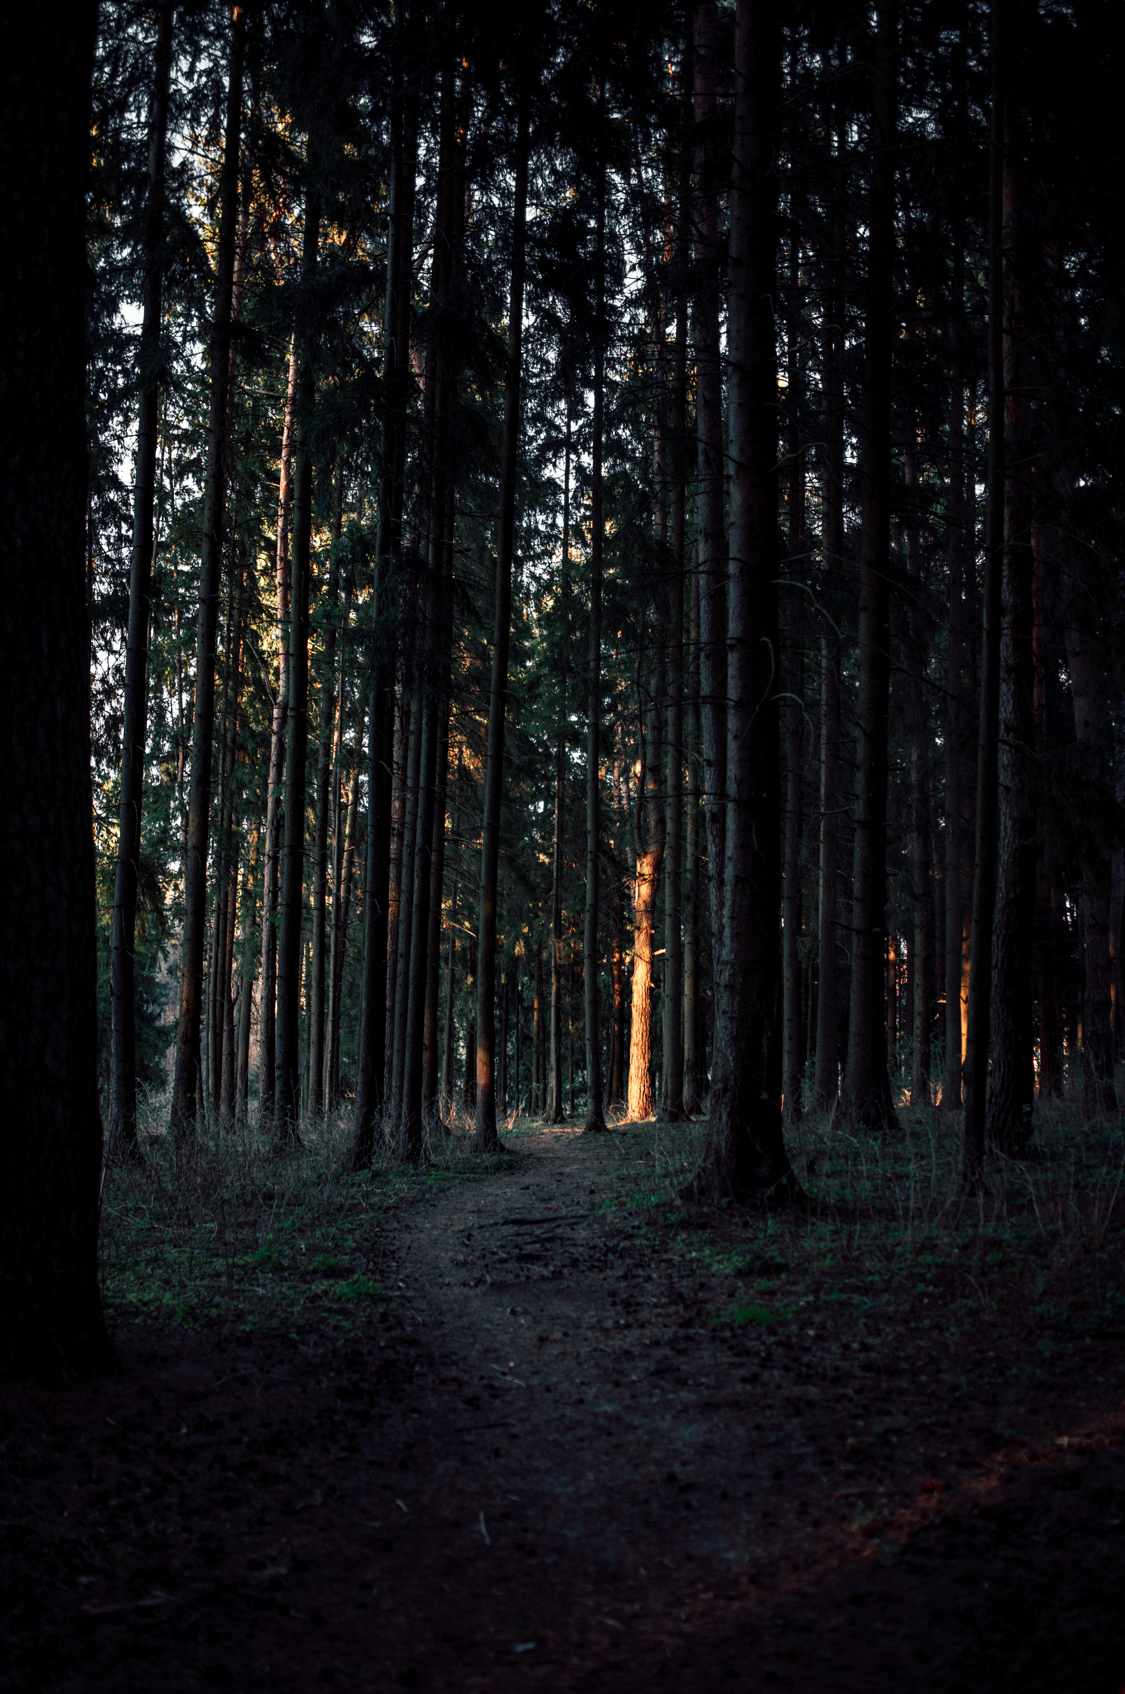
(867, 1086)
(186, 1085)
(319, 868)
(744, 1157)
(975, 1077)
(246, 991)
(791, 883)
(487, 1139)
(341, 912)
(123, 1122)
(954, 740)
(287, 1105)
(672, 1040)
(51, 1144)
(267, 1009)
(595, 1109)
(554, 1111)
(1050, 1067)
(711, 528)
(1094, 762)
(692, 906)
(650, 833)
(375, 1014)
(1011, 1088)
(919, 999)
(827, 1064)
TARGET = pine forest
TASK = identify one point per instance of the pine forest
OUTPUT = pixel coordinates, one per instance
(599, 612)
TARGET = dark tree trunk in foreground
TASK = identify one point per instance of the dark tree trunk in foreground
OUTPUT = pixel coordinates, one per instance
(867, 1084)
(186, 1085)
(50, 1129)
(123, 1127)
(487, 1139)
(744, 1157)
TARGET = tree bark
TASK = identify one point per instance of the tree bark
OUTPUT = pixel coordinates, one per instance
(1011, 1089)
(953, 864)
(744, 1157)
(267, 1010)
(487, 1139)
(975, 1076)
(51, 1137)
(319, 867)
(376, 1013)
(288, 1102)
(595, 1106)
(186, 1084)
(123, 1122)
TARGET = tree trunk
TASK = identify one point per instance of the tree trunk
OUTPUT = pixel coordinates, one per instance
(959, 550)
(379, 941)
(487, 1139)
(975, 1078)
(744, 1157)
(319, 867)
(51, 1139)
(267, 1010)
(1094, 770)
(123, 1122)
(711, 532)
(287, 1104)
(1011, 1089)
(554, 1113)
(692, 907)
(867, 1087)
(246, 992)
(186, 1084)
(672, 1039)
(595, 1108)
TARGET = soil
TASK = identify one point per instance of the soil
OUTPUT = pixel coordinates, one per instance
(544, 1465)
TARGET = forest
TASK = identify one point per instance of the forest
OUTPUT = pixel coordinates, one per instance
(466, 736)
(600, 610)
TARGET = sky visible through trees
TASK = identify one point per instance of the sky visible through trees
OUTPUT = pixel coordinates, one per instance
(602, 552)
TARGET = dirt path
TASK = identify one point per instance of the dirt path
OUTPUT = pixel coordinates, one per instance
(546, 1467)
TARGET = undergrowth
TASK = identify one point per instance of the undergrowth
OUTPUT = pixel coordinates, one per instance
(1042, 1249)
(232, 1231)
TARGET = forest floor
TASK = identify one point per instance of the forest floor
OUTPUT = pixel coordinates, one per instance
(545, 1426)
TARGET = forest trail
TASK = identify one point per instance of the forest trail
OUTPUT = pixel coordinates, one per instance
(546, 1465)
